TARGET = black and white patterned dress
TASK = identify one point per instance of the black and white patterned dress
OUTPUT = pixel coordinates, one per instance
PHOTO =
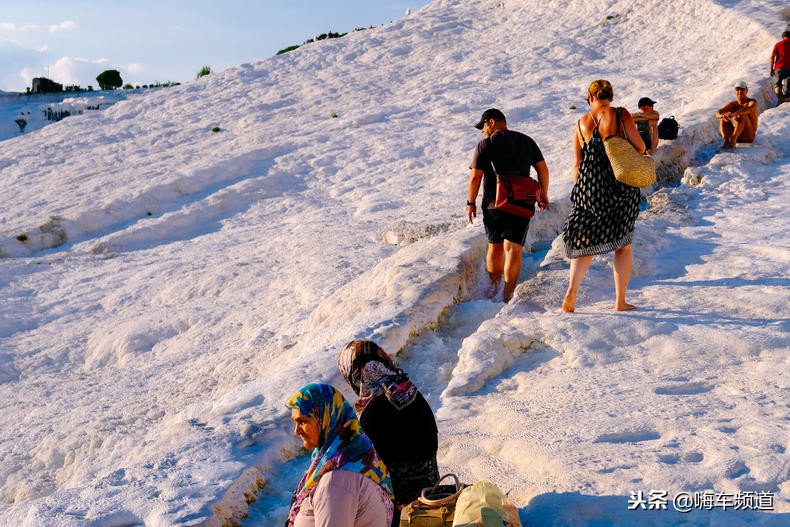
(603, 210)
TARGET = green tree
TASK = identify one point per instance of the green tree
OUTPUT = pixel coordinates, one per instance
(109, 80)
(205, 70)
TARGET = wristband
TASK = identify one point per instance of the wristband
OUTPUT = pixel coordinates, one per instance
(470, 204)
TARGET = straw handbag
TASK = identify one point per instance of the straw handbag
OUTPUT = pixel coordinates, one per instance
(434, 507)
(630, 167)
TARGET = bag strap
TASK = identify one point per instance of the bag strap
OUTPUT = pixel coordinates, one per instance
(490, 160)
(579, 124)
(437, 502)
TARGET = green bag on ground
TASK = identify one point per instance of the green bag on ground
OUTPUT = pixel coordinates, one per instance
(484, 505)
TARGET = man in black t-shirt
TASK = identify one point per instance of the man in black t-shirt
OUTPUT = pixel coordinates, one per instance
(510, 152)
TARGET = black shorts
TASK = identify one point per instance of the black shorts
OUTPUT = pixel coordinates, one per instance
(501, 226)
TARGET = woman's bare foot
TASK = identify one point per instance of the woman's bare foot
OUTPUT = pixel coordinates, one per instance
(624, 307)
(569, 304)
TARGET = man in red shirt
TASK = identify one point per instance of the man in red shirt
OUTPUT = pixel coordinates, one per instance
(780, 65)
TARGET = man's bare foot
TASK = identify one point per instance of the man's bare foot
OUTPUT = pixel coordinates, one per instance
(507, 293)
(624, 307)
(568, 305)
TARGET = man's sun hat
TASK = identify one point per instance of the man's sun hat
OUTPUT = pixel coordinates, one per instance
(740, 84)
(645, 101)
(491, 113)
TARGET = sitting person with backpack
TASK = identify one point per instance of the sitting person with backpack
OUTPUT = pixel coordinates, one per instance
(395, 416)
(647, 123)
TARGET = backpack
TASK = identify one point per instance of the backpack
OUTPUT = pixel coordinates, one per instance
(668, 128)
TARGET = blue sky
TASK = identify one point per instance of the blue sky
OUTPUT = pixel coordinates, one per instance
(72, 41)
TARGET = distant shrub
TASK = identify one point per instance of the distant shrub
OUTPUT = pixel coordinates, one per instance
(216, 129)
(334, 116)
(128, 87)
(22, 237)
(109, 80)
(158, 84)
(322, 36)
(205, 70)
(286, 50)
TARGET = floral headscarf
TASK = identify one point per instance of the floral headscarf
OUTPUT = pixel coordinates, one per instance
(342, 443)
(369, 370)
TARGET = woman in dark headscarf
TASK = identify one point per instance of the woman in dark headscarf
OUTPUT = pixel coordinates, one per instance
(395, 416)
(346, 483)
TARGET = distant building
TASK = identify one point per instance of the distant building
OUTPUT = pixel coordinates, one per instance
(45, 85)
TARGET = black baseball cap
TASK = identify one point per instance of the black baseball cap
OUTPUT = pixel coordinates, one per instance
(645, 101)
(491, 113)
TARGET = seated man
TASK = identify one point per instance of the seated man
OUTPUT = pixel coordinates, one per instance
(647, 123)
(738, 119)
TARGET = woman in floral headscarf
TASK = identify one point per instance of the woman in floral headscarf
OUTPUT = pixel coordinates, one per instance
(395, 416)
(347, 484)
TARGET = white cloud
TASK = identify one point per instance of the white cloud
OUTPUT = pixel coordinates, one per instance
(10, 27)
(27, 75)
(79, 71)
(135, 69)
(66, 25)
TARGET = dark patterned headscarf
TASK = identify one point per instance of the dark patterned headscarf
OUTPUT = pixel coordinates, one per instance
(369, 370)
(342, 443)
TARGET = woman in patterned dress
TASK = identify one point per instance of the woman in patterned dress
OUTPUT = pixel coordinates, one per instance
(603, 210)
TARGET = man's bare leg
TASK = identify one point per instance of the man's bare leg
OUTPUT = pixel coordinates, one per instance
(726, 131)
(513, 252)
(744, 131)
(495, 263)
(623, 264)
(579, 267)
